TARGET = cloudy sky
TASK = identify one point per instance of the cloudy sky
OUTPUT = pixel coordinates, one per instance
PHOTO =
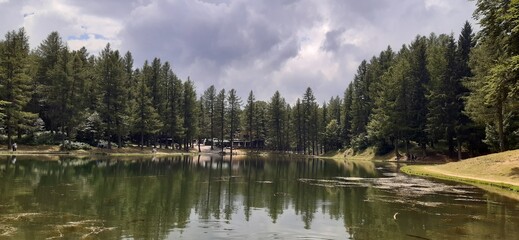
(264, 46)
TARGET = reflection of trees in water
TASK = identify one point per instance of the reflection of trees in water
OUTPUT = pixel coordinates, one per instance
(147, 198)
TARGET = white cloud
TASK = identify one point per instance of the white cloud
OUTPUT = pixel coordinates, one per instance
(93, 43)
(69, 21)
(442, 4)
(259, 45)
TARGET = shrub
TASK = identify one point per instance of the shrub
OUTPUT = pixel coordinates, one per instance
(75, 146)
(360, 142)
(46, 138)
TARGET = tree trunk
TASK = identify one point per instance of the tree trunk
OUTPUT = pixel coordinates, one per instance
(407, 148)
(19, 133)
(62, 136)
(459, 148)
(500, 128)
(9, 138)
(142, 140)
(119, 141)
(395, 144)
(450, 142)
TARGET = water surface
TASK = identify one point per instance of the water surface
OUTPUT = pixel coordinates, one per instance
(246, 198)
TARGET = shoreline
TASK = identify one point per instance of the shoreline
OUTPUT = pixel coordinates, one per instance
(498, 170)
(423, 171)
(126, 151)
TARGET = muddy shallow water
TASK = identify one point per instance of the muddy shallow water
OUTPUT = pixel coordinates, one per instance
(251, 197)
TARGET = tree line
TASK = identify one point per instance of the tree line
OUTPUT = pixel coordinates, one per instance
(433, 93)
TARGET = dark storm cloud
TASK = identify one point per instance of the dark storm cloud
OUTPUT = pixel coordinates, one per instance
(236, 32)
(333, 40)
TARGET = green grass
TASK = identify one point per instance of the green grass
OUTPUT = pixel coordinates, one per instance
(499, 170)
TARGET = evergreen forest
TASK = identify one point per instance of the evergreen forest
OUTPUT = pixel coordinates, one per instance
(457, 94)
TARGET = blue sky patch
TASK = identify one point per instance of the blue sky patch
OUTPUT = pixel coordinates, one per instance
(86, 36)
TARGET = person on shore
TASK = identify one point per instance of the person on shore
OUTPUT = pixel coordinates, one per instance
(14, 147)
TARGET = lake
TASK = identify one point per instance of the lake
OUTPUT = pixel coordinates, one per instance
(250, 197)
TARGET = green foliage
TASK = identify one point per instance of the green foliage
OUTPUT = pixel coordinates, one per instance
(387, 121)
(113, 104)
(189, 109)
(248, 116)
(309, 122)
(147, 119)
(209, 105)
(70, 145)
(443, 108)
(46, 138)
(347, 115)
(433, 92)
(15, 84)
(495, 62)
(277, 113)
(360, 142)
(221, 118)
(261, 126)
(332, 136)
(233, 113)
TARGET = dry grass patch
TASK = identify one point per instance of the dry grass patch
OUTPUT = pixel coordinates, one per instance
(499, 169)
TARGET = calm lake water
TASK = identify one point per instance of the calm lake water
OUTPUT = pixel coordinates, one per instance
(246, 198)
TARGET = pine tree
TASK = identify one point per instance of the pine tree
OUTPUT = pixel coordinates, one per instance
(158, 91)
(310, 130)
(130, 83)
(360, 101)
(189, 107)
(443, 109)
(47, 57)
(209, 104)
(346, 115)
(233, 115)
(467, 131)
(416, 109)
(175, 98)
(334, 109)
(390, 112)
(202, 121)
(287, 128)
(260, 123)
(332, 133)
(147, 119)
(113, 109)
(221, 121)
(15, 83)
(81, 109)
(249, 116)
(276, 116)
(298, 124)
(494, 63)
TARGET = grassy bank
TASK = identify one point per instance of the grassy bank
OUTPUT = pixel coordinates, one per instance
(496, 170)
(349, 154)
